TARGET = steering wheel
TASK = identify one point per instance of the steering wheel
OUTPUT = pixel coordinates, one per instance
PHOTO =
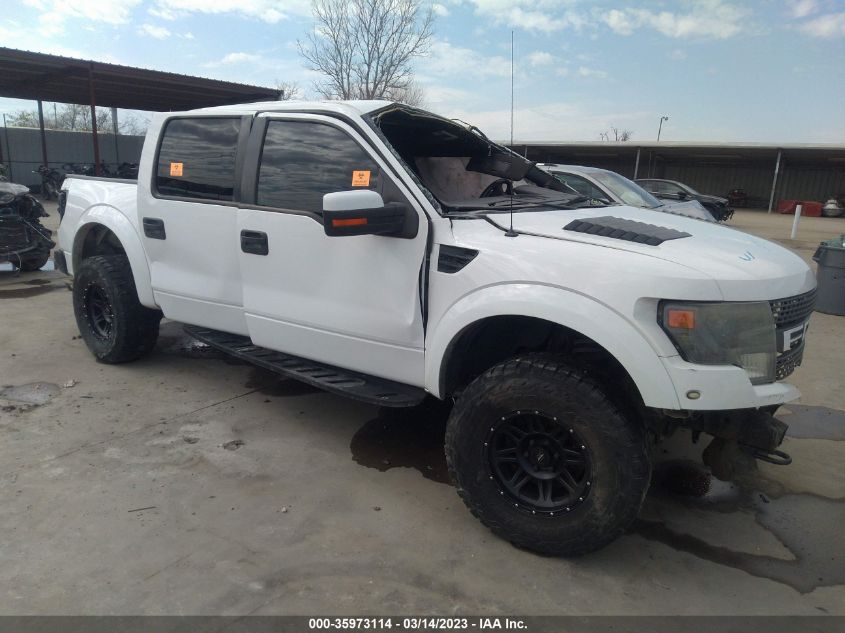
(500, 187)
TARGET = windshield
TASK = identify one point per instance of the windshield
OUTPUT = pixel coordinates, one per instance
(629, 192)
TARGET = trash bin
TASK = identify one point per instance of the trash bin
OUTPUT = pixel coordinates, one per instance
(830, 256)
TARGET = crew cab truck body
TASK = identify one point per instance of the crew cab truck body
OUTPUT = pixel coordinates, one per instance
(391, 255)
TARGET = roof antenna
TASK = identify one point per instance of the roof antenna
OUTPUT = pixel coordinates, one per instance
(510, 232)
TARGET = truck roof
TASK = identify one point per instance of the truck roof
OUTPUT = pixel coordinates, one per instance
(354, 108)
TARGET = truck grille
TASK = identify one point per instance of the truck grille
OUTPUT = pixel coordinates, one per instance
(790, 313)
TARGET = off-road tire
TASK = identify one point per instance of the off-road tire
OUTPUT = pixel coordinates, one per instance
(616, 450)
(133, 328)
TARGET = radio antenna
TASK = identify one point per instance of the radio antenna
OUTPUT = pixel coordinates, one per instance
(510, 232)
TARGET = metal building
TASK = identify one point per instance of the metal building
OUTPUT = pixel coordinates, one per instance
(767, 173)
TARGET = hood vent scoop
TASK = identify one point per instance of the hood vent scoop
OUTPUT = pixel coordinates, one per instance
(627, 230)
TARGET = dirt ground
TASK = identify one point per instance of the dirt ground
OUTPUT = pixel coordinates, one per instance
(187, 484)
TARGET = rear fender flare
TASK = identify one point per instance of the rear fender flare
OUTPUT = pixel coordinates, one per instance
(111, 218)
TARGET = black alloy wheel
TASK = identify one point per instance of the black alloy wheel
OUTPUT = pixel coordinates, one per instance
(538, 462)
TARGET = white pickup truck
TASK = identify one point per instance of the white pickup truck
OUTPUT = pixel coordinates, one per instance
(390, 254)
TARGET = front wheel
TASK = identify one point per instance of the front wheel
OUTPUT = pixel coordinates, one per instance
(543, 458)
(111, 320)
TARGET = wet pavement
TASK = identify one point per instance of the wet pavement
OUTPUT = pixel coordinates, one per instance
(190, 483)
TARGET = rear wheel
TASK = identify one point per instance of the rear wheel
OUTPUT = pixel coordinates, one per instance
(111, 320)
(543, 458)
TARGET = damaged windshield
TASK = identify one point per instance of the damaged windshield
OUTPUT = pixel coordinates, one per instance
(464, 171)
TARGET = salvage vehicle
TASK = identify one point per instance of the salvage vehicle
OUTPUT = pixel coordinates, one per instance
(24, 241)
(392, 255)
(674, 190)
(609, 187)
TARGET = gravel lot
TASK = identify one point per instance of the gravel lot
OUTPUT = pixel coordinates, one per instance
(186, 484)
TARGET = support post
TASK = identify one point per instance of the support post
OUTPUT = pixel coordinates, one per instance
(636, 164)
(774, 182)
(795, 221)
(43, 133)
(94, 120)
(115, 129)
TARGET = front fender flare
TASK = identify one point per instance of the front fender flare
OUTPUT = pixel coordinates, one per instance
(111, 218)
(564, 307)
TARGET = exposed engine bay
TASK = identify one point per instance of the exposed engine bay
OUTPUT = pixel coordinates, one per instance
(24, 241)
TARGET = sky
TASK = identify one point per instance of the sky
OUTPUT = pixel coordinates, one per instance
(770, 71)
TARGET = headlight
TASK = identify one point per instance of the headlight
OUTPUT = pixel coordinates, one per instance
(741, 334)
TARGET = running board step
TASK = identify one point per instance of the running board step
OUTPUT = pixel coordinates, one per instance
(334, 379)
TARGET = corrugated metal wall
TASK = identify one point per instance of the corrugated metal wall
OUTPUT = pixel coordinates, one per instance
(22, 151)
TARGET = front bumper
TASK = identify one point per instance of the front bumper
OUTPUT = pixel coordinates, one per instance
(721, 387)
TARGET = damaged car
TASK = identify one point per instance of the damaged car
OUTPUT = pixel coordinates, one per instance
(24, 241)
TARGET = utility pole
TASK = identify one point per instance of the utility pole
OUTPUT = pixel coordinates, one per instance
(660, 129)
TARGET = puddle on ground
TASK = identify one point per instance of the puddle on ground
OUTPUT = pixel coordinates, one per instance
(810, 422)
(36, 393)
(34, 290)
(272, 384)
(405, 438)
(810, 527)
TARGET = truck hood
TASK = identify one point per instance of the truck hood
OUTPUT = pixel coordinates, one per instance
(746, 268)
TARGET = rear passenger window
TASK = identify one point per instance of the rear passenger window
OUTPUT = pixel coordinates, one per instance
(197, 158)
(302, 161)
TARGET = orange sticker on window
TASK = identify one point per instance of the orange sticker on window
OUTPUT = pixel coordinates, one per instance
(175, 169)
(361, 178)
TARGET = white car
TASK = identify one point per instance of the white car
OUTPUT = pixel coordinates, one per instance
(610, 187)
(391, 255)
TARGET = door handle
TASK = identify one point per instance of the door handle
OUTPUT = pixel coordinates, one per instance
(254, 242)
(154, 229)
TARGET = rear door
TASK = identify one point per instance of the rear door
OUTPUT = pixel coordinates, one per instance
(189, 219)
(352, 302)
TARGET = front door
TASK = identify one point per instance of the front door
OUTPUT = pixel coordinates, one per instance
(189, 220)
(352, 302)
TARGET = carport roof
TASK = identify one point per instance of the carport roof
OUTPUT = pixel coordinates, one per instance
(686, 151)
(28, 75)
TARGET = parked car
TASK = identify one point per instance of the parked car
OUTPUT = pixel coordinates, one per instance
(674, 190)
(24, 241)
(392, 255)
(605, 185)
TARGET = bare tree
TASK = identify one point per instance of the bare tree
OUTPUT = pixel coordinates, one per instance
(365, 47)
(289, 90)
(77, 118)
(412, 94)
(618, 135)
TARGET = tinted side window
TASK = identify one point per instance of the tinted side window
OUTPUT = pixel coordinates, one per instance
(197, 158)
(302, 161)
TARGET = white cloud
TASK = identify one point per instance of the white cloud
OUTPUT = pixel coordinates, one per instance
(440, 9)
(832, 25)
(271, 11)
(446, 60)
(233, 59)
(803, 8)
(54, 13)
(532, 15)
(583, 71)
(541, 58)
(151, 30)
(706, 18)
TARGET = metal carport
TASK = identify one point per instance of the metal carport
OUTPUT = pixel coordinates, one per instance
(41, 77)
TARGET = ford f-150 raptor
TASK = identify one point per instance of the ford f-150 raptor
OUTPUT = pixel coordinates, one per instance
(390, 254)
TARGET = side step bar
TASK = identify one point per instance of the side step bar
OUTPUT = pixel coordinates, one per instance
(334, 379)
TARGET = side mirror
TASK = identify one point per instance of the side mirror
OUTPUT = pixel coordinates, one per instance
(682, 195)
(363, 212)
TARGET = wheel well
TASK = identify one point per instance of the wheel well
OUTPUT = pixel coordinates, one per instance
(96, 239)
(490, 341)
